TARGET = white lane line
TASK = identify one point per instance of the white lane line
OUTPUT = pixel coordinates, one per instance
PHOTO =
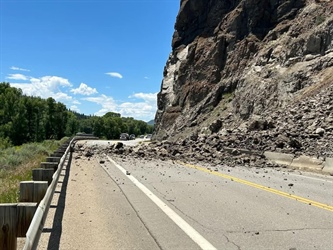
(190, 231)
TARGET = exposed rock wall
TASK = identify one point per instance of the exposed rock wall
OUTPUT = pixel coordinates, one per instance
(233, 62)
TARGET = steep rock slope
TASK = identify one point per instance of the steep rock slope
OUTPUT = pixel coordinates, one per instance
(250, 65)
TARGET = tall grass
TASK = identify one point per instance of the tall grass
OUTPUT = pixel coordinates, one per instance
(16, 164)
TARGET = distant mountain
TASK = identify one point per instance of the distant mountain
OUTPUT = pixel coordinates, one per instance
(152, 122)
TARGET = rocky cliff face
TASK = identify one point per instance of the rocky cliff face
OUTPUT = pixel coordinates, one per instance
(248, 68)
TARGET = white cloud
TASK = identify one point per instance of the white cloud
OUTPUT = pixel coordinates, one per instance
(103, 111)
(62, 97)
(17, 77)
(84, 89)
(17, 68)
(75, 108)
(140, 106)
(147, 97)
(114, 74)
(45, 87)
(144, 110)
(103, 100)
(51, 82)
(76, 102)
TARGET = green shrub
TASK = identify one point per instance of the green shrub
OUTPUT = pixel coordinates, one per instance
(16, 164)
(4, 143)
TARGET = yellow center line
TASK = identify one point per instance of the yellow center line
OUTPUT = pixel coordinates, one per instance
(255, 185)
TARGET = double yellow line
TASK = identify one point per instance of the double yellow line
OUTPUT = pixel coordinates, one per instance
(255, 185)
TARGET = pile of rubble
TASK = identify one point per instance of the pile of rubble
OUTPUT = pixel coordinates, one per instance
(304, 128)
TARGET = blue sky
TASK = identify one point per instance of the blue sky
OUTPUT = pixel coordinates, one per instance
(93, 56)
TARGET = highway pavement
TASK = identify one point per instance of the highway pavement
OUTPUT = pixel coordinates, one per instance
(118, 202)
(227, 208)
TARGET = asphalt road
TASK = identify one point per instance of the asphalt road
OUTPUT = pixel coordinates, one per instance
(172, 205)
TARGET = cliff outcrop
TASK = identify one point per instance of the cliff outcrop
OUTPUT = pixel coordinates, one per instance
(252, 73)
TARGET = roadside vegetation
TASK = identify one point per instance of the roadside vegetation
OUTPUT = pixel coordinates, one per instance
(17, 162)
(25, 119)
(31, 128)
(111, 125)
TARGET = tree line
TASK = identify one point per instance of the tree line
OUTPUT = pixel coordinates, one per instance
(26, 119)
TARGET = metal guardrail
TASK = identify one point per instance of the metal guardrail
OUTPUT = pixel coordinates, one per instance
(37, 224)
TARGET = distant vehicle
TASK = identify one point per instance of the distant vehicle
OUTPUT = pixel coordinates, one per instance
(141, 136)
(124, 136)
(132, 137)
(148, 136)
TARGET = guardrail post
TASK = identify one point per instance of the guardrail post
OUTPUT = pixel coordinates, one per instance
(25, 213)
(53, 159)
(32, 191)
(60, 150)
(49, 165)
(8, 228)
(35, 229)
(41, 174)
(57, 154)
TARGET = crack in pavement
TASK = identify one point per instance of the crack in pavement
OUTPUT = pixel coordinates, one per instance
(132, 206)
(178, 209)
(189, 217)
(229, 241)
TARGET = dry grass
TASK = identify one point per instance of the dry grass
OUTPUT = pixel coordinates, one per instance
(16, 165)
(10, 179)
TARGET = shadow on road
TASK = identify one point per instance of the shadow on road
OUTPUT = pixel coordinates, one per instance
(56, 230)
